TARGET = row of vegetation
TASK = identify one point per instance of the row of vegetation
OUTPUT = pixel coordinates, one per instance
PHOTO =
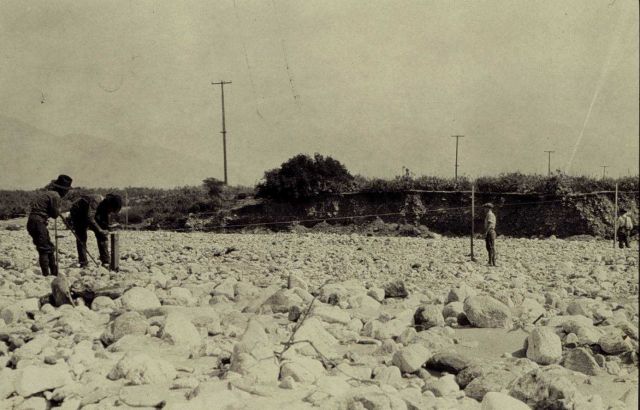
(304, 177)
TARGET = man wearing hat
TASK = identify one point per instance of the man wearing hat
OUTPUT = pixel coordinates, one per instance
(490, 232)
(45, 205)
(91, 212)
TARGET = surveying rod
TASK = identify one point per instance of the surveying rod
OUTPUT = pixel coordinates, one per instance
(114, 262)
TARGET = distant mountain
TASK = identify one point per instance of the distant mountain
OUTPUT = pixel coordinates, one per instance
(30, 157)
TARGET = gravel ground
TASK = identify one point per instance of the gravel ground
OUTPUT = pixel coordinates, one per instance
(321, 320)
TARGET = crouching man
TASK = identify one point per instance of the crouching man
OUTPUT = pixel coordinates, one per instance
(91, 212)
(45, 205)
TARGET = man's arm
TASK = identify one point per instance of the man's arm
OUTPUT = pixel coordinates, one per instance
(54, 206)
(92, 220)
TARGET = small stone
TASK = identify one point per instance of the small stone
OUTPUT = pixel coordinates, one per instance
(571, 340)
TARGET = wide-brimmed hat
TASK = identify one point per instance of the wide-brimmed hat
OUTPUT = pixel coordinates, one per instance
(63, 182)
(488, 205)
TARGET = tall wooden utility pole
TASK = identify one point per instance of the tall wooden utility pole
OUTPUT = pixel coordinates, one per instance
(549, 166)
(604, 170)
(224, 129)
(457, 137)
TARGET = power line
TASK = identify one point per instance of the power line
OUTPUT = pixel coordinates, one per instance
(604, 170)
(224, 129)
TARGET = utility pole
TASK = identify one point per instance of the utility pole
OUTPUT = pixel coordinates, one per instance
(457, 137)
(604, 170)
(224, 129)
(549, 167)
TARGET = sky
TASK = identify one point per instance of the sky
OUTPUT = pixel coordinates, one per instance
(375, 84)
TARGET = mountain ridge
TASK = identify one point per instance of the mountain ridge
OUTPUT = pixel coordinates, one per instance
(30, 157)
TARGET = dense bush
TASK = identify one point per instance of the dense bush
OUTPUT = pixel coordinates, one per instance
(404, 183)
(303, 177)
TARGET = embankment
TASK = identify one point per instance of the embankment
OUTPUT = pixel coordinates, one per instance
(519, 215)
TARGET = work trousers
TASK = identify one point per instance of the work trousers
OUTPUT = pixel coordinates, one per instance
(624, 237)
(80, 229)
(490, 242)
(37, 229)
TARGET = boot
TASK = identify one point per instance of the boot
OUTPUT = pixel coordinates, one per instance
(43, 260)
(53, 267)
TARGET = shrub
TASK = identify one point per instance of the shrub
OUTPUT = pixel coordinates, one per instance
(303, 177)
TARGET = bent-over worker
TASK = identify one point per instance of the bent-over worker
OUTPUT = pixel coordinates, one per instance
(91, 212)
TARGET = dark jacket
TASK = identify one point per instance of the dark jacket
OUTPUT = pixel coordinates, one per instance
(84, 212)
(46, 205)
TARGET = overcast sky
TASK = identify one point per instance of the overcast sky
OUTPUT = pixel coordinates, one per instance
(376, 84)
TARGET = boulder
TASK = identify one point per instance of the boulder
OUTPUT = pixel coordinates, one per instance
(7, 382)
(302, 369)
(487, 312)
(179, 331)
(615, 342)
(450, 362)
(35, 379)
(139, 368)
(102, 303)
(442, 386)
(501, 401)
(548, 388)
(313, 333)
(330, 314)
(581, 360)
(460, 293)
(34, 403)
(139, 299)
(144, 396)
(282, 301)
(410, 359)
(428, 316)
(395, 289)
(128, 323)
(544, 346)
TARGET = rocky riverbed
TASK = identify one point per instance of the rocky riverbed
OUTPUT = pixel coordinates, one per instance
(295, 321)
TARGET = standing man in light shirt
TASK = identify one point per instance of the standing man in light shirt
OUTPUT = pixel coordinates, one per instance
(625, 228)
(490, 232)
